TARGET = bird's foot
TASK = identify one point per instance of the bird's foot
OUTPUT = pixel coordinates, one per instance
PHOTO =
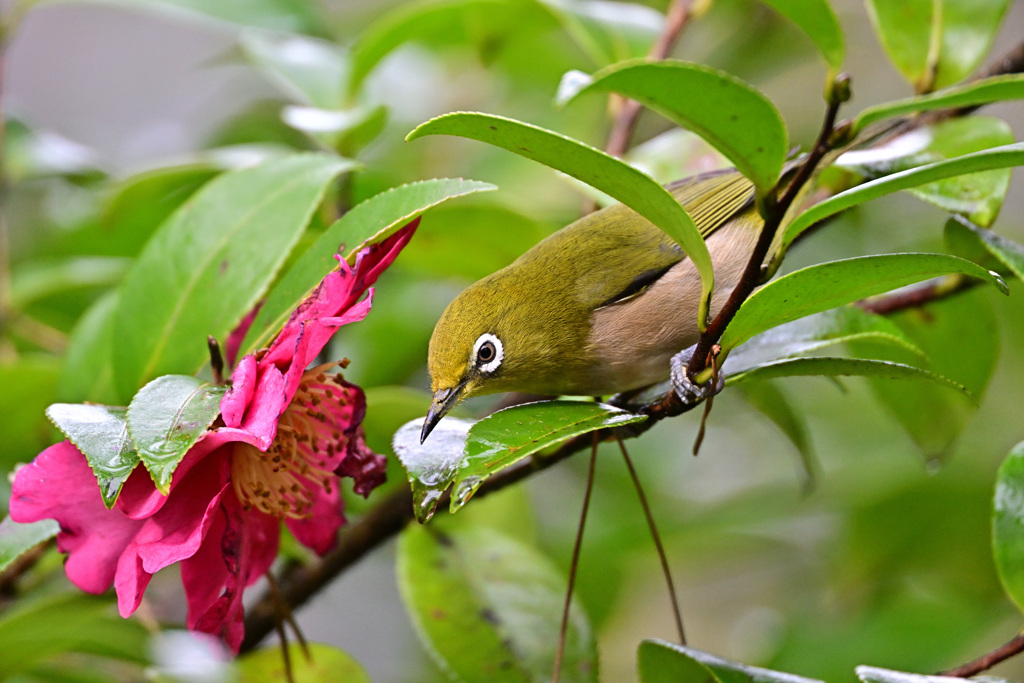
(688, 391)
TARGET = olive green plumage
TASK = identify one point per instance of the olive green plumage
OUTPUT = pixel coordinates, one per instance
(597, 308)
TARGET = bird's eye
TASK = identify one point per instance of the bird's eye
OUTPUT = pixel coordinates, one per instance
(487, 353)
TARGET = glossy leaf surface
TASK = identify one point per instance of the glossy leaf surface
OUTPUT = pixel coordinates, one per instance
(167, 417)
(1008, 524)
(752, 136)
(662, 662)
(592, 166)
(209, 263)
(827, 285)
(999, 157)
(1008, 252)
(507, 436)
(488, 606)
(101, 434)
(371, 221)
(431, 466)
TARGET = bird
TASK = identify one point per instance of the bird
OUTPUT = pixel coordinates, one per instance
(597, 308)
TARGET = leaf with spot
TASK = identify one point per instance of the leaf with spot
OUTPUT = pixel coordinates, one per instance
(101, 434)
(507, 436)
(488, 606)
(167, 417)
(209, 263)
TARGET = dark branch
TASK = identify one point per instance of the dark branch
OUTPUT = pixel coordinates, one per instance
(988, 660)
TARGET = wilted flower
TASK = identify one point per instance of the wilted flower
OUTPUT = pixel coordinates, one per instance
(285, 435)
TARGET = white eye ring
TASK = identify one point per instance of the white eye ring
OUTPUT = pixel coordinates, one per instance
(499, 353)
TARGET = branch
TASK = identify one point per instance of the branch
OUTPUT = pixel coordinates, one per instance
(677, 17)
(988, 660)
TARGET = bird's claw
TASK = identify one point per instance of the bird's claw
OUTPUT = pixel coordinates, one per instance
(689, 392)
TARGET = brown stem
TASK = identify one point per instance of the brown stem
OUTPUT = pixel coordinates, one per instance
(773, 213)
(988, 660)
(677, 16)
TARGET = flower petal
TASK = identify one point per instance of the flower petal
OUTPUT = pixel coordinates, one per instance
(237, 398)
(238, 549)
(319, 530)
(59, 485)
(367, 469)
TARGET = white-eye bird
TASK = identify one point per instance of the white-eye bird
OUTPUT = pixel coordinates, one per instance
(599, 307)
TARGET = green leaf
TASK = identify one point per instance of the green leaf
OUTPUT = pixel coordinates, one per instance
(872, 674)
(207, 266)
(735, 118)
(88, 370)
(29, 385)
(772, 402)
(984, 91)
(507, 436)
(323, 663)
(935, 43)
(592, 166)
(307, 69)
(1008, 524)
(833, 367)
(607, 31)
(407, 22)
(431, 466)
(101, 434)
(838, 325)
(659, 661)
(35, 629)
(998, 157)
(1008, 252)
(934, 419)
(827, 285)
(979, 196)
(487, 606)
(39, 279)
(371, 221)
(818, 21)
(16, 538)
(167, 417)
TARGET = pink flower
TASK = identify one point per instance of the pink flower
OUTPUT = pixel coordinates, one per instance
(285, 436)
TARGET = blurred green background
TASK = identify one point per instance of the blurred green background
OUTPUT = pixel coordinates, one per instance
(886, 562)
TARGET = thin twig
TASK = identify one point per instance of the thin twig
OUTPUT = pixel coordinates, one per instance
(676, 612)
(575, 562)
(988, 660)
(676, 19)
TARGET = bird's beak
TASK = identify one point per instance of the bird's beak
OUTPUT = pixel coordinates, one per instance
(444, 400)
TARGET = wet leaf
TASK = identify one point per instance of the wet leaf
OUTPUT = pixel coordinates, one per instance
(827, 285)
(167, 417)
(507, 436)
(16, 539)
(1008, 252)
(735, 118)
(431, 466)
(101, 434)
(488, 606)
